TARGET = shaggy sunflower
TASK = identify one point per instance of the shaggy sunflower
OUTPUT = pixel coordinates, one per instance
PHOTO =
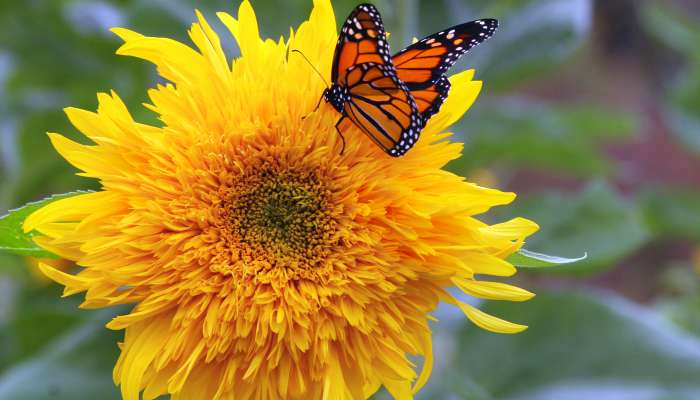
(262, 263)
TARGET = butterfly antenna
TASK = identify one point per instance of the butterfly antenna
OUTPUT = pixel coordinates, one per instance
(312, 66)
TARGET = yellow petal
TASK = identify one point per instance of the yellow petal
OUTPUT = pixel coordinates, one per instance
(66, 210)
(427, 350)
(175, 61)
(71, 282)
(244, 29)
(481, 263)
(492, 290)
(399, 390)
(514, 229)
(69, 252)
(126, 34)
(89, 159)
(178, 380)
(209, 44)
(142, 344)
(58, 229)
(137, 315)
(313, 38)
(89, 123)
(489, 322)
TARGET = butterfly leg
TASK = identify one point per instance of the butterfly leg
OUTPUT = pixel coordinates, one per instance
(342, 138)
(315, 108)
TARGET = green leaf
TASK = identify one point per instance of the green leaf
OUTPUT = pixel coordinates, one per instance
(530, 259)
(596, 220)
(580, 346)
(12, 236)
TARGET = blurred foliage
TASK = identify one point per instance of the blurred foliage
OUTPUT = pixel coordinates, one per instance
(70, 357)
(681, 33)
(563, 140)
(535, 129)
(682, 305)
(599, 346)
(673, 213)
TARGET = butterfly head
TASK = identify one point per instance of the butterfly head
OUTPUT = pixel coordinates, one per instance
(337, 95)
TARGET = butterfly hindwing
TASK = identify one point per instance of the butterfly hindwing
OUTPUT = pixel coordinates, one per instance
(382, 107)
(362, 39)
(423, 63)
(430, 99)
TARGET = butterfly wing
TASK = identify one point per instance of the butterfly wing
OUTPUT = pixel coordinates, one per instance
(362, 39)
(430, 99)
(422, 65)
(382, 107)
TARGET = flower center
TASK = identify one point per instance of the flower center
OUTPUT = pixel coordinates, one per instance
(283, 214)
(280, 219)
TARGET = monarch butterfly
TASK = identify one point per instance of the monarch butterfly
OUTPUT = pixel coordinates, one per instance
(390, 98)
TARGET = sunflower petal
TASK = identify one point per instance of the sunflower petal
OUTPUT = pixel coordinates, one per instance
(489, 322)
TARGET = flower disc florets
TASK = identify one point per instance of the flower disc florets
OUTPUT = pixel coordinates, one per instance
(279, 222)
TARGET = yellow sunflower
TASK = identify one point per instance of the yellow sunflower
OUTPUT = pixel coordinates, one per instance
(262, 263)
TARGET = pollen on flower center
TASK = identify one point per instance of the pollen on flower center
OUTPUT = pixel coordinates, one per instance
(281, 219)
(281, 213)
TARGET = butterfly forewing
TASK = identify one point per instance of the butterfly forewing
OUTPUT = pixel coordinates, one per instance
(362, 39)
(423, 63)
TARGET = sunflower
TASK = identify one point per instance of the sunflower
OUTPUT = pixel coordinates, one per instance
(261, 262)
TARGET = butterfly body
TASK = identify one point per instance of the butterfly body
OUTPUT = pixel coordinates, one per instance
(337, 96)
(391, 98)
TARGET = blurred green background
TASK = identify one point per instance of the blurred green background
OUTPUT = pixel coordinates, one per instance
(590, 112)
